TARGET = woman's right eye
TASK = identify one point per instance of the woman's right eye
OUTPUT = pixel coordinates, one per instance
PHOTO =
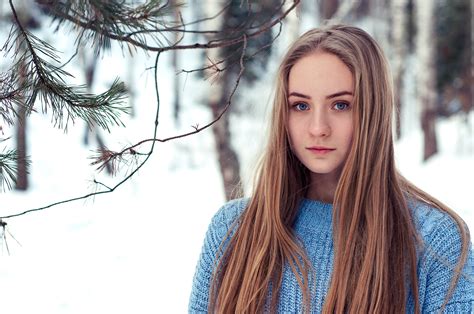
(301, 106)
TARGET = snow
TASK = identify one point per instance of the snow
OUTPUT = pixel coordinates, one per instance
(135, 250)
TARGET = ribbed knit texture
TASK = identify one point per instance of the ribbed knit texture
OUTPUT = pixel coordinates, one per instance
(313, 226)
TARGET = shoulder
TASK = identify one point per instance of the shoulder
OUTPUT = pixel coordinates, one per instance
(435, 224)
(440, 251)
(226, 217)
(440, 234)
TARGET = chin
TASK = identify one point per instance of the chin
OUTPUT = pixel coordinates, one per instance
(322, 173)
(325, 170)
(317, 170)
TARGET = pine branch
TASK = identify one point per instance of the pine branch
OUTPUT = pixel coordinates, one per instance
(10, 95)
(8, 169)
(100, 21)
(45, 79)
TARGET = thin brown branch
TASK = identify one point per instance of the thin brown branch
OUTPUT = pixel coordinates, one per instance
(210, 44)
(214, 64)
(196, 128)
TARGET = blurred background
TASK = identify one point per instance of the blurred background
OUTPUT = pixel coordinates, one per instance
(135, 249)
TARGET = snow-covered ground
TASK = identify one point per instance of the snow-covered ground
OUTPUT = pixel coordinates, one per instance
(135, 250)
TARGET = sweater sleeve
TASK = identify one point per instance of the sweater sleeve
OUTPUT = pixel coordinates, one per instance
(216, 233)
(441, 254)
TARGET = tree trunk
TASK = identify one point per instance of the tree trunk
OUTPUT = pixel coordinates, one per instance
(22, 174)
(398, 10)
(90, 65)
(328, 8)
(228, 160)
(471, 48)
(292, 22)
(425, 46)
(177, 78)
(131, 82)
(21, 143)
(218, 95)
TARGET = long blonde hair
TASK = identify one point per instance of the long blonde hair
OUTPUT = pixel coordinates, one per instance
(374, 235)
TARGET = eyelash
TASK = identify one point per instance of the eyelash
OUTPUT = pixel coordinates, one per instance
(297, 104)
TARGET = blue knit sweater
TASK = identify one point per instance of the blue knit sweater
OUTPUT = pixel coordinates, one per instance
(313, 226)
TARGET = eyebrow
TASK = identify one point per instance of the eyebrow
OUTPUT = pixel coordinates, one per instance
(341, 93)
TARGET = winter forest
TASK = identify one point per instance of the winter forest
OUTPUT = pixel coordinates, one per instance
(125, 125)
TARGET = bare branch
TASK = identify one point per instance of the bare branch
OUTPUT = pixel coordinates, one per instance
(196, 128)
(210, 44)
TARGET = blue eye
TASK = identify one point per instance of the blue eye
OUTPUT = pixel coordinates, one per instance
(301, 106)
(341, 105)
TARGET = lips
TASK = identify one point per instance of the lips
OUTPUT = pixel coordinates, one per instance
(320, 150)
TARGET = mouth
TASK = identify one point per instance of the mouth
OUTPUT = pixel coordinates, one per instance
(320, 150)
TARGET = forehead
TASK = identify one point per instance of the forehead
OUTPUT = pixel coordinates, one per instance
(320, 72)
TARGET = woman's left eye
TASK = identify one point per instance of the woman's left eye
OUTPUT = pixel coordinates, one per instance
(341, 105)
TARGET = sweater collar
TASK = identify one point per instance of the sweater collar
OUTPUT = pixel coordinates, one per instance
(314, 214)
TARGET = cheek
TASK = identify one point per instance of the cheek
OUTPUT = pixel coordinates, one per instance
(350, 133)
(349, 136)
(291, 132)
(350, 126)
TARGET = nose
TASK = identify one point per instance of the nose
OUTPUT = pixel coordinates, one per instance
(319, 124)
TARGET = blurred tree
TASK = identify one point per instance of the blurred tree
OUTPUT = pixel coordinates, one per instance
(453, 57)
(426, 86)
(328, 8)
(293, 23)
(399, 50)
(237, 15)
(89, 66)
(176, 65)
(26, 16)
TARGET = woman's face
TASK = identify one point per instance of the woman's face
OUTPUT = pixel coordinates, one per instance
(321, 93)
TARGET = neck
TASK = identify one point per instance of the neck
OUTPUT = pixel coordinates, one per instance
(323, 187)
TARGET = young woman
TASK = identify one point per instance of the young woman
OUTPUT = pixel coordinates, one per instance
(331, 225)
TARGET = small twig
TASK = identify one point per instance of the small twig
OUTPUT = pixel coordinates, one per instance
(3, 225)
(214, 64)
(11, 235)
(102, 184)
